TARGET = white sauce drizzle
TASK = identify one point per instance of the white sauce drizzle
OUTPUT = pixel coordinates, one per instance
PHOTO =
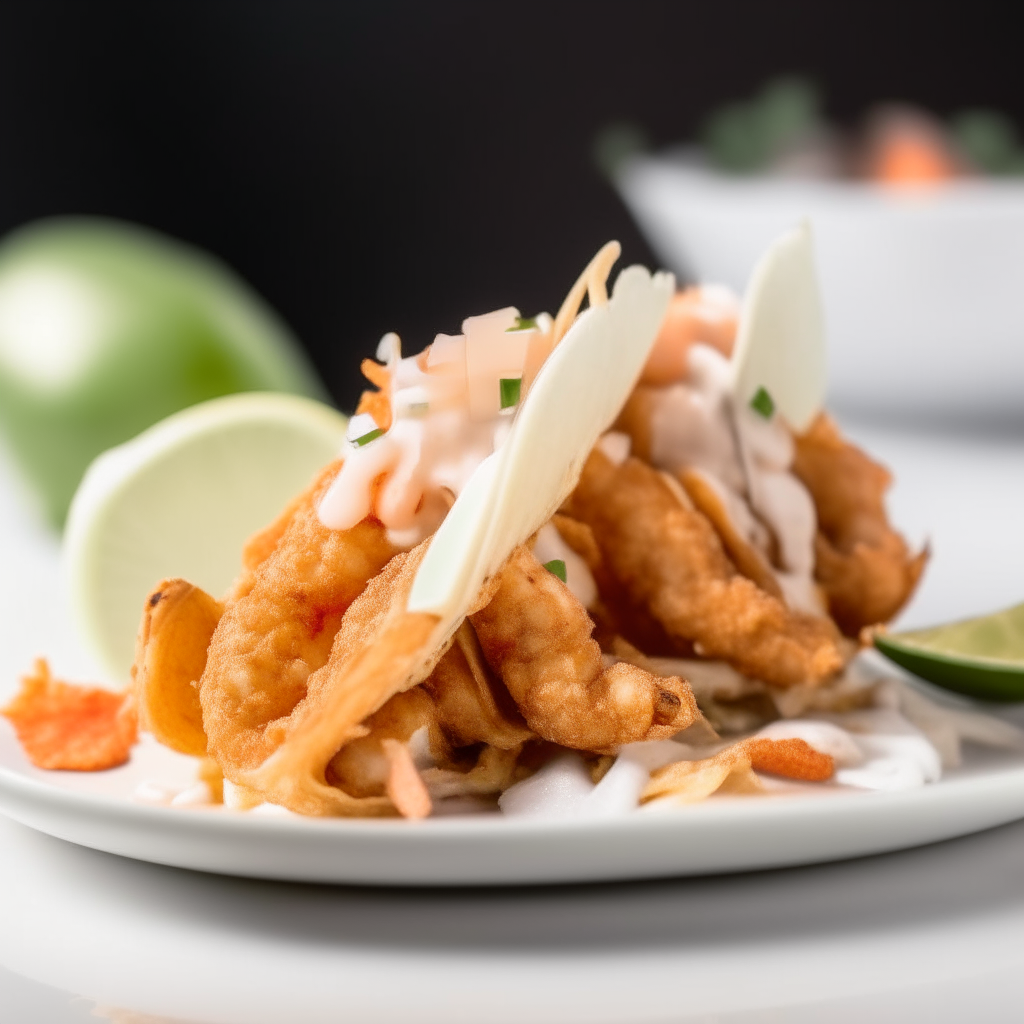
(446, 419)
(694, 426)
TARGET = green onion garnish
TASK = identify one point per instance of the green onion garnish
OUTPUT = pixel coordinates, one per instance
(419, 408)
(556, 567)
(510, 387)
(762, 403)
(523, 323)
(370, 435)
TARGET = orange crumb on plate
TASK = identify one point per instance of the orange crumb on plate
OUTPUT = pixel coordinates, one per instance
(791, 758)
(74, 728)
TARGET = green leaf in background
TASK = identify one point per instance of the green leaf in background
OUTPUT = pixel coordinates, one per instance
(615, 143)
(106, 328)
(989, 140)
(746, 136)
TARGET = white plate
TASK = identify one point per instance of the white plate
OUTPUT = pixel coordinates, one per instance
(722, 835)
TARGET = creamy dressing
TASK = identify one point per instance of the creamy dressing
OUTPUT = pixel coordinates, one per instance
(447, 417)
(695, 424)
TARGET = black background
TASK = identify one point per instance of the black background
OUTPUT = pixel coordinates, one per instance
(381, 166)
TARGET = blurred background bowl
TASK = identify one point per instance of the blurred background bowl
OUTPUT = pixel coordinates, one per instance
(923, 288)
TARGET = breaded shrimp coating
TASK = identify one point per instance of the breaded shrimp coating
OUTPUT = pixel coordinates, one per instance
(379, 650)
(281, 629)
(472, 704)
(864, 566)
(536, 636)
(670, 561)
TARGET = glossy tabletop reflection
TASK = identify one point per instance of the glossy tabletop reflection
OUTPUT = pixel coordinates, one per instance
(927, 934)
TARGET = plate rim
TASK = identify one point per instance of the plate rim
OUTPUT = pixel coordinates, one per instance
(994, 795)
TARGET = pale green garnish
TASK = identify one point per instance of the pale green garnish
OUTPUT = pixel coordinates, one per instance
(557, 568)
(762, 404)
(510, 389)
(370, 435)
(523, 323)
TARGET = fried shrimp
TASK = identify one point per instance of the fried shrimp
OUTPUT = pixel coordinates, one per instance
(473, 705)
(380, 762)
(536, 635)
(461, 705)
(379, 650)
(178, 622)
(280, 630)
(669, 559)
(864, 566)
(613, 613)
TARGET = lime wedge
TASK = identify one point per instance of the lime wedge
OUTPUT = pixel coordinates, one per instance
(180, 499)
(981, 657)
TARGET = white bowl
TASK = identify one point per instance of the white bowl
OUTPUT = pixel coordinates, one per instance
(923, 289)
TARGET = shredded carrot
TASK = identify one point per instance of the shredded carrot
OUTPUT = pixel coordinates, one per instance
(375, 373)
(75, 728)
(791, 758)
(376, 403)
(404, 785)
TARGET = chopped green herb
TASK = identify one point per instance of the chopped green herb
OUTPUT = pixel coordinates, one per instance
(510, 388)
(419, 408)
(523, 323)
(556, 567)
(370, 435)
(762, 403)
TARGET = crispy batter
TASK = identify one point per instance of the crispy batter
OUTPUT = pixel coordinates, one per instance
(747, 559)
(362, 767)
(462, 704)
(210, 773)
(670, 561)
(472, 704)
(613, 613)
(178, 620)
(379, 651)
(495, 770)
(732, 770)
(536, 635)
(72, 728)
(689, 782)
(864, 565)
(272, 638)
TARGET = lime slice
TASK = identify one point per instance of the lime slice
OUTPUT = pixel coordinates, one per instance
(981, 657)
(180, 499)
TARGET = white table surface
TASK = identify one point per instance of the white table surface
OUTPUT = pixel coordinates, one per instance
(931, 934)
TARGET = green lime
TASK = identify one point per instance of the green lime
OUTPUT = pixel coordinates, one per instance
(982, 657)
(180, 500)
(106, 328)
